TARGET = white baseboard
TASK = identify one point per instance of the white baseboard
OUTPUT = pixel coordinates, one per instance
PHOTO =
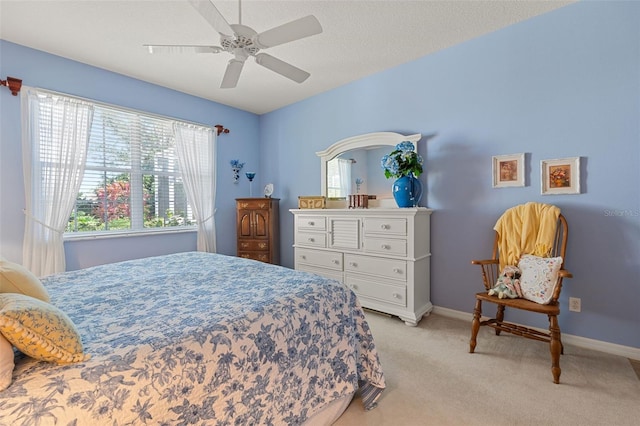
(583, 342)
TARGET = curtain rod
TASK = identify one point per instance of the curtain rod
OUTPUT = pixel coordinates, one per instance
(219, 128)
(13, 84)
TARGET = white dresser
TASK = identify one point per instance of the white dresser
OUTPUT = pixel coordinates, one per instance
(382, 254)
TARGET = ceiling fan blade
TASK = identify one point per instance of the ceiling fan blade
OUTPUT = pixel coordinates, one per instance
(181, 48)
(282, 68)
(212, 16)
(232, 74)
(294, 30)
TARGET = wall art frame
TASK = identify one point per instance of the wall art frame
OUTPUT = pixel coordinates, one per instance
(560, 176)
(508, 170)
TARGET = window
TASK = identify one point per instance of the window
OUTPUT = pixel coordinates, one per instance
(338, 178)
(132, 180)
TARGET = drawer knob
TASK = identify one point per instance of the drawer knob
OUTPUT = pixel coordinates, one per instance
(397, 271)
(396, 296)
(336, 261)
(384, 226)
(354, 287)
(303, 256)
(384, 247)
(354, 264)
(311, 240)
(311, 223)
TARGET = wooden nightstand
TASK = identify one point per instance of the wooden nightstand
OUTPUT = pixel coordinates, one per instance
(258, 228)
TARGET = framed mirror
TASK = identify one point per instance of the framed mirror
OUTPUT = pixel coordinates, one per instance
(352, 165)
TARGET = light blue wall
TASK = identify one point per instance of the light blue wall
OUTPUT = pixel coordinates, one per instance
(560, 85)
(38, 69)
(564, 84)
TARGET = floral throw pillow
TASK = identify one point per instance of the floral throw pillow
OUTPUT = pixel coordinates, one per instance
(539, 277)
(40, 330)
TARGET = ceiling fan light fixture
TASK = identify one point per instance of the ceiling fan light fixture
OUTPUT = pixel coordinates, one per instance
(242, 41)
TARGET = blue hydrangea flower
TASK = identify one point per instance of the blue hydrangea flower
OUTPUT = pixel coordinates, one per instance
(402, 161)
(405, 146)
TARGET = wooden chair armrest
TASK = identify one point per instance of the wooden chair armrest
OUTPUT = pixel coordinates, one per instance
(485, 262)
(564, 273)
(489, 269)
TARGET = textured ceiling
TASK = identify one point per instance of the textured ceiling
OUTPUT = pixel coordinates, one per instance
(359, 38)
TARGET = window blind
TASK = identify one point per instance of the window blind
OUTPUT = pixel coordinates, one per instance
(132, 179)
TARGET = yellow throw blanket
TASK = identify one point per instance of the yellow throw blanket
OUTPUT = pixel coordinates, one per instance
(526, 229)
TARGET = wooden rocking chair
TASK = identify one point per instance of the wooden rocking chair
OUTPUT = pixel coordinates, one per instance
(490, 273)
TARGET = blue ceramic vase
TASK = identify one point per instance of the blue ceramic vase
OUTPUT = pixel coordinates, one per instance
(407, 191)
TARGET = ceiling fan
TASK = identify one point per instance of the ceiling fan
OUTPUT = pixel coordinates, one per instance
(242, 42)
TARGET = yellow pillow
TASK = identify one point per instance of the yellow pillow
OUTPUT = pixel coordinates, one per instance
(16, 278)
(39, 330)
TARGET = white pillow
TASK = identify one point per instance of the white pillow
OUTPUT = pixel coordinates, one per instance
(6, 362)
(539, 277)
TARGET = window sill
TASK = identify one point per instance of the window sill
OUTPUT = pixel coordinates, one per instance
(78, 236)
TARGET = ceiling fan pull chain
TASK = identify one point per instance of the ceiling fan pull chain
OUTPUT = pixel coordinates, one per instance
(240, 12)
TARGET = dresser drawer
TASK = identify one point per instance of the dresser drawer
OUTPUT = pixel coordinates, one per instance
(327, 273)
(377, 266)
(253, 245)
(316, 223)
(385, 226)
(387, 293)
(323, 259)
(311, 239)
(396, 247)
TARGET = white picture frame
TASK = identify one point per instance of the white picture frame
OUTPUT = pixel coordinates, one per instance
(508, 170)
(560, 176)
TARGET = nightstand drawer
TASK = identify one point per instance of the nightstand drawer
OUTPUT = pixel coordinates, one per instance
(385, 246)
(324, 259)
(254, 204)
(253, 245)
(255, 255)
(377, 266)
(394, 294)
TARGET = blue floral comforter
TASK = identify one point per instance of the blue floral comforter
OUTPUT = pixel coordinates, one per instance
(198, 338)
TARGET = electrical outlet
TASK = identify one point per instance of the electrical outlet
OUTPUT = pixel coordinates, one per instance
(575, 304)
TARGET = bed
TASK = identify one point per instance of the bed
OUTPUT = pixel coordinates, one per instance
(200, 338)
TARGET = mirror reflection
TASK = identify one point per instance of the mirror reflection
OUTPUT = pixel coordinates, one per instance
(352, 166)
(358, 172)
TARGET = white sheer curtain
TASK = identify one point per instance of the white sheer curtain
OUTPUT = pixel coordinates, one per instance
(195, 149)
(344, 168)
(55, 137)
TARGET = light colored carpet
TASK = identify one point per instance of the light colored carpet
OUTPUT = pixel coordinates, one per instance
(432, 379)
